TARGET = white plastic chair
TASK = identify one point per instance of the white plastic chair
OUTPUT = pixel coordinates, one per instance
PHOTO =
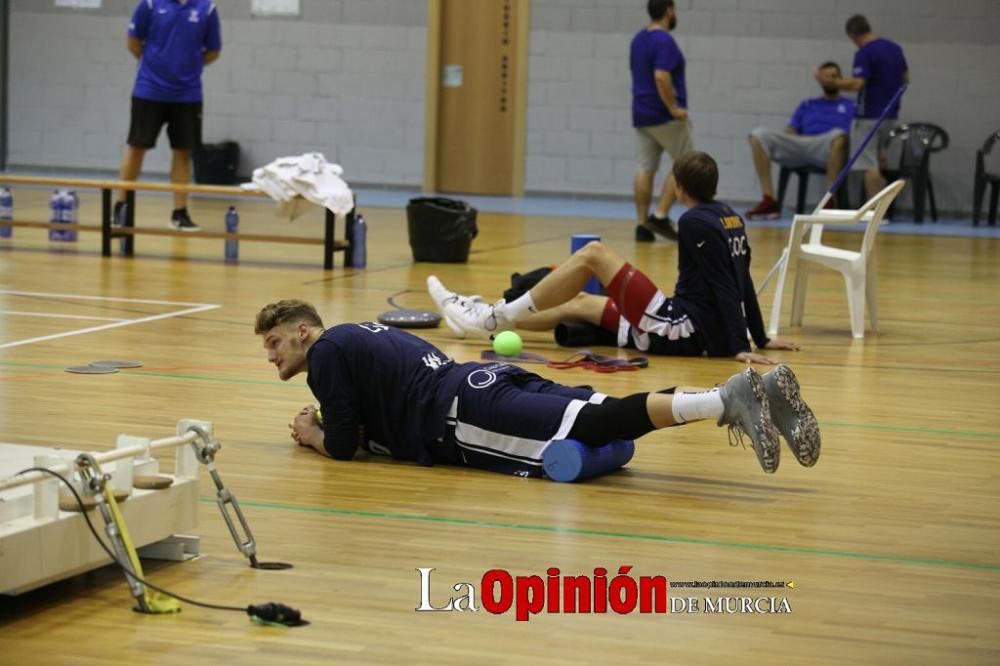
(858, 268)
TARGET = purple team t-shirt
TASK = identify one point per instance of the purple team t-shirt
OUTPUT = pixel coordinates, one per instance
(175, 37)
(652, 50)
(882, 65)
(819, 115)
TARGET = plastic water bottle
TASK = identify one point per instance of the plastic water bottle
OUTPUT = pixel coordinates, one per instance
(359, 246)
(56, 215)
(70, 214)
(6, 211)
(232, 227)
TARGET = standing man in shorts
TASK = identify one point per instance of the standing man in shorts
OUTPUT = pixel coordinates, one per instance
(816, 136)
(659, 115)
(173, 40)
(880, 70)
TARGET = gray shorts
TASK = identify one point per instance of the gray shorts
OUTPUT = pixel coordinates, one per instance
(872, 156)
(673, 137)
(793, 150)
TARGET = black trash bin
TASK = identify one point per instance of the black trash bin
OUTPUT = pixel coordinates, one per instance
(441, 229)
(216, 163)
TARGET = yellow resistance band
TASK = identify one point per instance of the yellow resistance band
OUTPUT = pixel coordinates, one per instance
(157, 602)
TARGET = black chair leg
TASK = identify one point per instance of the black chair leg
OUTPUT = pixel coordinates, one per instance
(930, 193)
(978, 190)
(994, 199)
(782, 185)
(918, 198)
(800, 205)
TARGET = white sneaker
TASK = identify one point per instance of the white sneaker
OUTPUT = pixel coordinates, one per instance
(442, 298)
(479, 319)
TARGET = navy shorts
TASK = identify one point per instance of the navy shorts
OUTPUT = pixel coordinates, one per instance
(183, 121)
(504, 418)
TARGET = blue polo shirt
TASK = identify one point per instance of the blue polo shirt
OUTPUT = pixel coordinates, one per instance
(652, 50)
(882, 65)
(175, 37)
(819, 115)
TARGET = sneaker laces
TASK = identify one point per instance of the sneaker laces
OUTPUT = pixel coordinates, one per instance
(737, 435)
(471, 309)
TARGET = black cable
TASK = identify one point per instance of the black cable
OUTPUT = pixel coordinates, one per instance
(271, 612)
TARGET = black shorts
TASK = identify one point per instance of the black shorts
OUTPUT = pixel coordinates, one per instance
(183, 120)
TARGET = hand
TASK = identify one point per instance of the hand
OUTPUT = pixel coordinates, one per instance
(775, 343)
(305, 420)
(678, 113)
(750, 357)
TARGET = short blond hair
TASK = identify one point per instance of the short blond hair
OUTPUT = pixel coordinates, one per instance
(283, 312)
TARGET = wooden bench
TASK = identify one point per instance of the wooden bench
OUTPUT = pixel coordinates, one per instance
(129, 231)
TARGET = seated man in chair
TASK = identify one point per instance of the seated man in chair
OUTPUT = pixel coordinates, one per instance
(816, 136)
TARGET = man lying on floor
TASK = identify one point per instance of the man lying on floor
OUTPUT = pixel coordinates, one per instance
(391, 393)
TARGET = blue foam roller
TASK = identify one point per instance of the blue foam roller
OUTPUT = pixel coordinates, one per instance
(568, 460)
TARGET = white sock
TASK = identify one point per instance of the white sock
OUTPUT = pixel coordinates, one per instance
(519, 307)
(696, 406)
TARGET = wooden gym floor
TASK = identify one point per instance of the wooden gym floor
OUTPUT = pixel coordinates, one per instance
(891, 540)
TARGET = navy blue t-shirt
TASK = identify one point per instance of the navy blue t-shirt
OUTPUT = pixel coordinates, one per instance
(383, 382)
(175, 37)
(714, 286)
(882, 65)
(652, 50)
(819, 115)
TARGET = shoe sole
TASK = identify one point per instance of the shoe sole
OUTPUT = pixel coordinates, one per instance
(805, 438)
(434, 284)
(768, 433)
(188, 229)
(766, 216)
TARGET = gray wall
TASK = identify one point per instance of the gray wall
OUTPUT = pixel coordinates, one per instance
(347, 79)
(749, 62)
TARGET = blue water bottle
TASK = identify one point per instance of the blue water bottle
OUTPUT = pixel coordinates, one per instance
(6, 211)
(70, 214)
(232, 227)
(359, 246)
(55, 215)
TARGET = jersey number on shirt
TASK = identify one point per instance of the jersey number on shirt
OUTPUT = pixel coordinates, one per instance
(738, 246)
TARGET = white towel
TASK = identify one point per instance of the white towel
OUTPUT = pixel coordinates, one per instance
(288, 180)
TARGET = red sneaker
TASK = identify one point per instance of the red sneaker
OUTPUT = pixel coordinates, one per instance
(766, 209)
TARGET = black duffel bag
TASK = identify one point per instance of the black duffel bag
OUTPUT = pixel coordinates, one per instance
(441, 230)
(216, 163)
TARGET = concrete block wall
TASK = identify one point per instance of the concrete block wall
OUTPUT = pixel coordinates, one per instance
(347, 78)
(749, 63)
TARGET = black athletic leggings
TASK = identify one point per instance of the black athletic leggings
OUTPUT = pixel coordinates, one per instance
(615, 418)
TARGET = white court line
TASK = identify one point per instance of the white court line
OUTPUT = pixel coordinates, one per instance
(60, 316)
(192, 309)
(97, 298)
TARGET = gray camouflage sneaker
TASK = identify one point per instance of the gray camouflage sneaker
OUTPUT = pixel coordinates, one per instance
(746, 411)
(792, 416)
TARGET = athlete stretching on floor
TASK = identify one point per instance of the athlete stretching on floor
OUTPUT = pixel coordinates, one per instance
(391, 393)
(713, 305)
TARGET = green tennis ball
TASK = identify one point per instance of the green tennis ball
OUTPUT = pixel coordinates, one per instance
(508, 343)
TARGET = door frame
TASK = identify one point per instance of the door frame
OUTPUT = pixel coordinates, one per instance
(519, 83)
(4, 78)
